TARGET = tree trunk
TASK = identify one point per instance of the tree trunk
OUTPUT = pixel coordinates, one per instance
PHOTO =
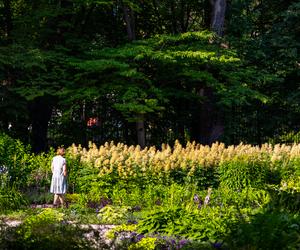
(173, 19)
(130, 22)
(130, 27)
(207, 12)
(141, 135)
(86, 18)
(40, 114)
(207, 126)
(8, 18)
(157, 14)
(218, 16)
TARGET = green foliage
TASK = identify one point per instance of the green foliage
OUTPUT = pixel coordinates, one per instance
(113, 215)
(204, 177)
(153, 195)
(40, 171)
(243, 172)
(11, 199)
(77, 55)
(34, 224)
(275, 230)
(287, 137)
(14, 157)
(246, 197)
(286, 197)
(207, 224)
(136, 102)
(144, 244)
(44, 230)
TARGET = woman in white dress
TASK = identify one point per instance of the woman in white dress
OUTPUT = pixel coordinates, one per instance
(59, 177)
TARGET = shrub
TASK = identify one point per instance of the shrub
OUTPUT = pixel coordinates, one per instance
(113, 215)
(209, 224)
(267, 230)
(243, 171)
(14, 159)
(47, 230)
(147, 243)
(11, 199)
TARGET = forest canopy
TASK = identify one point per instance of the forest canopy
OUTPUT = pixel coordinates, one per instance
(147, 72)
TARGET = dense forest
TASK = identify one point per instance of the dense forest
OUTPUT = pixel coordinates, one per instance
(147, 72)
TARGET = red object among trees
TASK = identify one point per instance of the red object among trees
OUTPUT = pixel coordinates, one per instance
(93, 121)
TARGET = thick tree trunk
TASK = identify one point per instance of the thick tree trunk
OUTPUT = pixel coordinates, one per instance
(86, 18)
(130, 22)
(40, 112)
(218, 16)
(129, 19)
(207, 126)
(141, 135)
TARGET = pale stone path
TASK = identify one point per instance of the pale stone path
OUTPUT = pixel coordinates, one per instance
(100, 229)
(41, 206)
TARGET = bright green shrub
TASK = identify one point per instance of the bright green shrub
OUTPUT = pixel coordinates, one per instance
(243, 171)
(247, 197)
(113, 215)
(47, 230)
(290, 169)
(14, 159)
(11, 199)
(206, 224)
(40, 174)
(72, 198)
(147, 243)
(75, 171)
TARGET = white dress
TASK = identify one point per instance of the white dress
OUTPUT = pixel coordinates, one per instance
(59, 181)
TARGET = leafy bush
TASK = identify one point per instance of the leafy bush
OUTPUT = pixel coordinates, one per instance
(247, 197)
(39, 177)
(72, 198)
(287, 137)
(14, 159)
(153, 195)
(267, 230)
(47, 230)
(113, 215)
(147, 243)
(243, 171)
(11, 199)
(207, 224)
(285, 198)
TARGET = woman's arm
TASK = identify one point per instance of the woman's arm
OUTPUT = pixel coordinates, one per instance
(65, 169)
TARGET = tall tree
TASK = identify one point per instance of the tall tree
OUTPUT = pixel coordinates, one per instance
(129, 18)
(218, 16)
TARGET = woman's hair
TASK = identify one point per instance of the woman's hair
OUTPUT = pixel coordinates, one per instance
(60, 151)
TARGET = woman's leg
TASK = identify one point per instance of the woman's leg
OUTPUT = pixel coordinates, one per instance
(55, 199)
(61, 199)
